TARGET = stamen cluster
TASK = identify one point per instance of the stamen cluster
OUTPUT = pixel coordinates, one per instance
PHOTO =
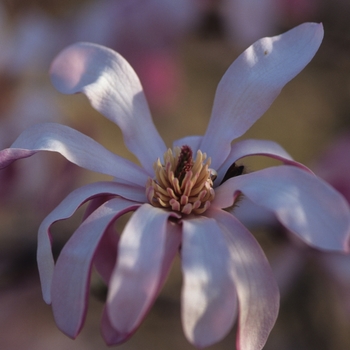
(181, 184)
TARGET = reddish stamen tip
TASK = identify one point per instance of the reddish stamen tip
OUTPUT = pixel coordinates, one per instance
(184, 164)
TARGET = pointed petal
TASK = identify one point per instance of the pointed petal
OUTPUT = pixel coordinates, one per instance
(303, 203)
(266, 148)
(209, 298)
(63, 211)
(110, 335)
(139, 273)
(258, 294)
(114, 90)
(253, 81)
(76, 147)
(71, 278)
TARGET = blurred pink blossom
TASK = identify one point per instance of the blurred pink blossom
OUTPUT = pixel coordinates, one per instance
(28, 45)
(333, 165)
(147, 33)
(179, 199)
(247, 20)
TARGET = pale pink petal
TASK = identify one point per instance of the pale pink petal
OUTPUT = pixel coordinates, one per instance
(66, 209)
(109, 334)
(266, 148)
(209, 298)
(172, 244)
(253, 81)
(258, 294)
(303, 203)
(76, 147)
(71, 278)
(113, 89)
(106, 254)
(252, 215)
(139, 272)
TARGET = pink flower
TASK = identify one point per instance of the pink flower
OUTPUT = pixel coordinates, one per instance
(333, 165)
(178, 205)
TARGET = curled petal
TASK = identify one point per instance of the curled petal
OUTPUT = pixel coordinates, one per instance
(72, 271)
(63, 211)
(303, 203)
(74, 146)
(209, 298)
(114, 90)
(266, 148)
(146, 249)
(253, 81)
(258, 294)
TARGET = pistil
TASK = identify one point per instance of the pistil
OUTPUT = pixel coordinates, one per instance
(181, 183)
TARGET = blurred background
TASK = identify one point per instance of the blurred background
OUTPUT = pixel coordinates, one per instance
(180, 50)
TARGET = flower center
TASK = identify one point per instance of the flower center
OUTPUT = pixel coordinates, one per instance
(181, 183)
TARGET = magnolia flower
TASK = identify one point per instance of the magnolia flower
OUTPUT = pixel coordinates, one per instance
(179, 198)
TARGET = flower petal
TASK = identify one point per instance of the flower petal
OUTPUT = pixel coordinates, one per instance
(106, 254)
(76, 147)
(109, 334)
(253, 216)
(146, 248)
(113, 89)
(303, 203)
(266, 148)
(173, 240)
(258, 294)
(253, 81)
(72, 271)
(64, 210)
(209, 298)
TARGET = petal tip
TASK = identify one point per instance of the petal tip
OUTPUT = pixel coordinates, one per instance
(67, 69)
